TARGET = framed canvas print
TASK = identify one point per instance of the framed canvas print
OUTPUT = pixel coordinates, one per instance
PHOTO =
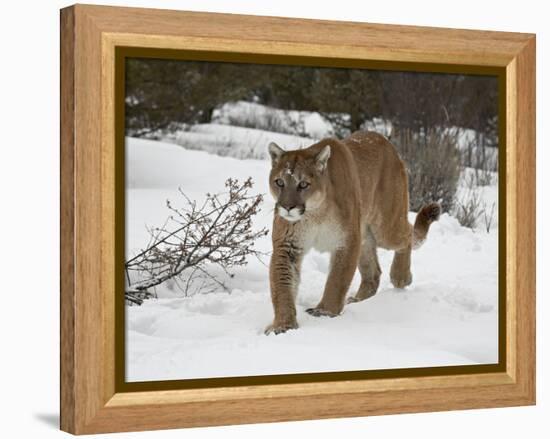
(271, 219)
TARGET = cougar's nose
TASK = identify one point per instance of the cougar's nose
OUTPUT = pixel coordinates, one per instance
(298, 208)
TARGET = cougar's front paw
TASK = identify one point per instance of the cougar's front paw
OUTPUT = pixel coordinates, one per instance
(321, 312)
(279, 328)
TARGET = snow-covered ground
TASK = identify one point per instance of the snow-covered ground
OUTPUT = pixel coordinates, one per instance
(448, 316)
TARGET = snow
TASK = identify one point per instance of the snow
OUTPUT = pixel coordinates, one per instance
(379, 125)
(242, 113)
(234, 141)
(448, 316)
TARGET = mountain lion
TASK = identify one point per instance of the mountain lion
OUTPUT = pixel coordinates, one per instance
(347, 198)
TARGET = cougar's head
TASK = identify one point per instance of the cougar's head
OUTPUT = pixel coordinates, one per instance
(298, 180)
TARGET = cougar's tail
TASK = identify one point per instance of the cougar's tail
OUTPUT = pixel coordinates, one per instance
(427, 215)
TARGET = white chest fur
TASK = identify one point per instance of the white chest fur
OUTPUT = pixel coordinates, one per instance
(324, 236)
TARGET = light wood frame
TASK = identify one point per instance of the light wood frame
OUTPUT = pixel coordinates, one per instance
(89, 38)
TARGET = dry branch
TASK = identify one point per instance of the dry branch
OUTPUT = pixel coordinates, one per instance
(217, 232)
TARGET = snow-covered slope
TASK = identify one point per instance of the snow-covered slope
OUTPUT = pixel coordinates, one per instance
(448, 316)
(242, 113)
(234, 141)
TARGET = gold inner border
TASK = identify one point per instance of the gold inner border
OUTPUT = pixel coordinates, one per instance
(123, 52)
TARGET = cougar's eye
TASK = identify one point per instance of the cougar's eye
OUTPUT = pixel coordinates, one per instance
(303, 184)
(279, 182)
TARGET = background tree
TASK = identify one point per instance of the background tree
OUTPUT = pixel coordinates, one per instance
(162, 92)
(346, 98)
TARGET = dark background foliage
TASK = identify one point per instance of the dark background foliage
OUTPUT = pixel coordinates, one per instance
(160, 92)
(424, 110)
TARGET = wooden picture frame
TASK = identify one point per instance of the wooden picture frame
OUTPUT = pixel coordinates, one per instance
(91, 399)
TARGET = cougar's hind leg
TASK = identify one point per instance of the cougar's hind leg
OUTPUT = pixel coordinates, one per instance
(369, 268)
(400, 272)
(400, 240)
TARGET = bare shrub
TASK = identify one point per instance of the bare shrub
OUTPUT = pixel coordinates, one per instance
(278, 122)
(194, 239)
(471, 208)
(247, 119)
(489, 217)
(484, 177)
(480, 154)
(433, 165)
(267, 119)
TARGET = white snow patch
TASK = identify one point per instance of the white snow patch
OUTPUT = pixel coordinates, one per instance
(305, 123)
(231, 141)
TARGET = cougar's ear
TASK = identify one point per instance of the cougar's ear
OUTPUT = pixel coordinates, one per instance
(321, 159)
(275, 152)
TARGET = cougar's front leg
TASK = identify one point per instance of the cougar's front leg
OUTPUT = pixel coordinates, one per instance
(343, 263)
(284, 276)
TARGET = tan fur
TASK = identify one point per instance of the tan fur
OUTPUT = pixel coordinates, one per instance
(355, 199)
